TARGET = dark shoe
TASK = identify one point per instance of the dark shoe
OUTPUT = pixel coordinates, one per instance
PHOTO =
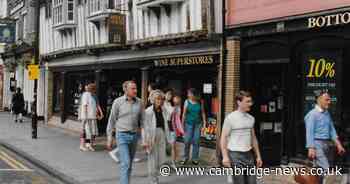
(21, 121)
(183, 162)
(15, 121)
(195, 162)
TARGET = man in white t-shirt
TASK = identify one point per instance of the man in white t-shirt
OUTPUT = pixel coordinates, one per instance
(239, 144)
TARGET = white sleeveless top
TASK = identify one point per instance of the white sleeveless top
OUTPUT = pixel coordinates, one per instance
(240, 125)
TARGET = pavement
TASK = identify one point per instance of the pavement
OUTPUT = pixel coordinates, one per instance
(16, 170)
(57, 152)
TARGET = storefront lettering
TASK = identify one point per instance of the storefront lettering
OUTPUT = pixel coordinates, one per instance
(321, 68)
(329, 20)
(181, 61)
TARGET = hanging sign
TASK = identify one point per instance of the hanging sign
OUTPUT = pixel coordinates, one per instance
(33, 72)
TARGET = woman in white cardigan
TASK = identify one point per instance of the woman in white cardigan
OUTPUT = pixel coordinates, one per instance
(155, 134)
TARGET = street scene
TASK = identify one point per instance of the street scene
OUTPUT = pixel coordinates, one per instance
(174, 91)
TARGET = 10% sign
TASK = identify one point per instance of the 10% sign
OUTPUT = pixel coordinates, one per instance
(321, 68)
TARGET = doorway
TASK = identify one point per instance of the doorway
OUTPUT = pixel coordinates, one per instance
(267, 83)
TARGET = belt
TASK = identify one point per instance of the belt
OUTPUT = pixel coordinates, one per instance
(318, 139)
(127, 132)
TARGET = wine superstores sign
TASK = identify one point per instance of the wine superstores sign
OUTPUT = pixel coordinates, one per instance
(7, 31)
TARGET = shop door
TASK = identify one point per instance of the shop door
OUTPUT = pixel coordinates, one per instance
(267, 84)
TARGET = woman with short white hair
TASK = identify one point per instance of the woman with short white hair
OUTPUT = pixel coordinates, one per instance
(155, 133)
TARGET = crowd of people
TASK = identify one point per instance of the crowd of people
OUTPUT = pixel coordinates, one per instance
(159, 122)
(166, 117)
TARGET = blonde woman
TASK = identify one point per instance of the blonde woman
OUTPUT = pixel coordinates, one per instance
(155, 133)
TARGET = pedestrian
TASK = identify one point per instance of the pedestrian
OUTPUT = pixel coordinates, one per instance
(321, 135)
(239, 145)
(156, 129)
(18, 105)
(127, 118)
(176, 128)
(168, 103)
(193, 119)
(99, 113)
(151, 86)
(88, 117)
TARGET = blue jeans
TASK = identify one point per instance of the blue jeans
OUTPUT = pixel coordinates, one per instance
(324, 155)
(192, 136)
(127, 144)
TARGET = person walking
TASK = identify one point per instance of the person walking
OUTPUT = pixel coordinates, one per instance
(99, 113)
(321, 135)
(126, 117)
(88, 117)
(239, 145)
(18, 105)
(176, 127)
(154, 136)
(193, 118)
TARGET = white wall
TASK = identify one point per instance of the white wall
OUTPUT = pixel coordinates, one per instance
(3, 8)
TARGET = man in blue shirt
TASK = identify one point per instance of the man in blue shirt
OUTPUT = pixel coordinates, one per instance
(321, 134)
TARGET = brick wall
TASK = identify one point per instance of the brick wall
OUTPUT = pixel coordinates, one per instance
(232, 74)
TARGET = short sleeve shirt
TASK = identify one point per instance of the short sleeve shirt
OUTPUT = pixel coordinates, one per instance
(240, 127)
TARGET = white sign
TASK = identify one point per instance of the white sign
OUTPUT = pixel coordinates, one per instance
(207, 88)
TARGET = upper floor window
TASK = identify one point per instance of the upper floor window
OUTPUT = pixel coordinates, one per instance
(57, 11)
(63, 11)
(70, 10)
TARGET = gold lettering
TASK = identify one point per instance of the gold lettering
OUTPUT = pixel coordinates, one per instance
(329, 22)
(345, 18)
(312, 22)
(320, 24)
(337, 21)
(211, 60)
(201, 60)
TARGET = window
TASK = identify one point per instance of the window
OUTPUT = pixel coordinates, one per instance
(63, 11)
(70, 10)
(24, 26)
(48, 10)
(57, 9)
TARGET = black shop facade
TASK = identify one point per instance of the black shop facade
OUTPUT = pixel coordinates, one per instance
(169, 69)
(284, 63)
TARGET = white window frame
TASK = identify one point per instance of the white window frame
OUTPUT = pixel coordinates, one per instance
(57, 7)
(70, 11)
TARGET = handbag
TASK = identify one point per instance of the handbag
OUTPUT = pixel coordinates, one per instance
(179, 131)
(307, 178)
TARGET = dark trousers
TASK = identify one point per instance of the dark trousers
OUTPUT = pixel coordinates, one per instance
(242, 160)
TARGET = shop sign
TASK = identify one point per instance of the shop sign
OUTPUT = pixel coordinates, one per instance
(33, 72)
(329, 20)
(117, 29)
(7, 31)
(183, 61)
(320, 75)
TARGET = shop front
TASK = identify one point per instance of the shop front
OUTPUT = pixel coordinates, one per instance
(68, 87)
(180, 73)
(284, 64)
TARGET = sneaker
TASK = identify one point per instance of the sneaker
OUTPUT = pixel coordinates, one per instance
(113, 156)
(183, 162)
(195, 162)
(82, 148)
(21, 121)
(16, 121)
(137, 159)
(89, 147)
